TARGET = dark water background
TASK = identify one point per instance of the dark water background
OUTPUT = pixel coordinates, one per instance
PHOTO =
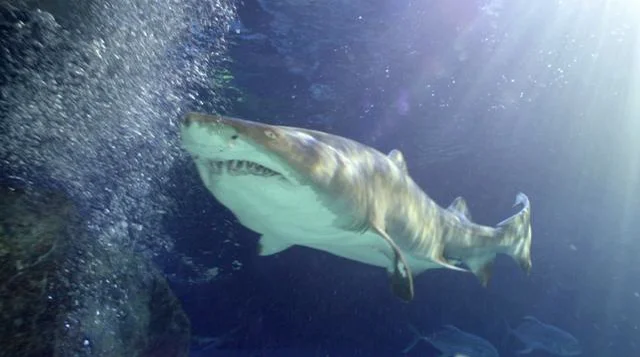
(538, 102)
(484, 98)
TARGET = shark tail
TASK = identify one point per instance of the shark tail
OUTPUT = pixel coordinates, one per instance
(515, 233)
(514, 236)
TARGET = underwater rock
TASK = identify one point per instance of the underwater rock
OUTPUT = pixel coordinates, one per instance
(64, 293)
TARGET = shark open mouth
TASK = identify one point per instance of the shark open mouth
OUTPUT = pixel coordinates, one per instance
(241, 167)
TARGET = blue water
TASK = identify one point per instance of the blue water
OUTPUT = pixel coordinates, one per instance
(484, 98)
(484, 103)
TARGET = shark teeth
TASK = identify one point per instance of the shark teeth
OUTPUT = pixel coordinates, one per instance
(241, 167)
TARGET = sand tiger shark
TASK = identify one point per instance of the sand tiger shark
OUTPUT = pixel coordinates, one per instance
(295, 186)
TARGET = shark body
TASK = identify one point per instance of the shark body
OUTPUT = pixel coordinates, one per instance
(303, 187)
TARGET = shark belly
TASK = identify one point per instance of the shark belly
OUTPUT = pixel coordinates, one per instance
(296, 215)
(366, 248)
(293, 214)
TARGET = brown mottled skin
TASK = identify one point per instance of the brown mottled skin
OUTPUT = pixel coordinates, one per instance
(371, 191)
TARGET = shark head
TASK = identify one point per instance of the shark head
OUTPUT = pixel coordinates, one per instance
(240, 144)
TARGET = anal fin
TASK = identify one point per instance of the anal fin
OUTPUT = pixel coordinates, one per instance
(445, 264)
(482, 269)
(484, 273)
(401, 277)
(269, 245)
(439, 258)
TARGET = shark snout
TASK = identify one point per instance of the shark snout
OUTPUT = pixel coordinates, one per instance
(187, 119)
(190, 118)
(207, 136)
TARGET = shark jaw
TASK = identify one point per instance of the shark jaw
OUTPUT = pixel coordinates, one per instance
(222, 149)
(242, 176)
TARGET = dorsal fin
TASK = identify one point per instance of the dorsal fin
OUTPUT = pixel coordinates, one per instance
(398, 159)
(451, 327)
(531, 318)
(459, 205)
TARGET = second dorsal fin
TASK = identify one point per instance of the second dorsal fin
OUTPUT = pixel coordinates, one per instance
(459, 206)
(398, 159)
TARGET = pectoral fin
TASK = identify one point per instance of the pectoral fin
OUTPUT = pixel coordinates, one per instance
(269, 245)
(401, 277)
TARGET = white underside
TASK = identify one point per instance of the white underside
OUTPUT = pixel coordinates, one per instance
(294, 215)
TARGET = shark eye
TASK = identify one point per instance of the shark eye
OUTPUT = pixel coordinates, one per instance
(234, 136)
(270, 134)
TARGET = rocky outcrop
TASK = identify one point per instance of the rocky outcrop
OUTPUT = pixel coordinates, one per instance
(63, 293)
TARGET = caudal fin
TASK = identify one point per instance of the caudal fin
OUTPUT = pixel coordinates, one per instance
(515, 233)
(417, 336)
